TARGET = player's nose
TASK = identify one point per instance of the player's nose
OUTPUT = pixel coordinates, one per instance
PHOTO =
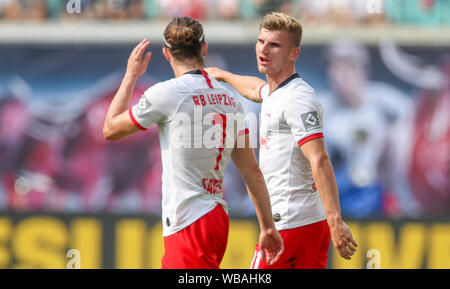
(264, 49)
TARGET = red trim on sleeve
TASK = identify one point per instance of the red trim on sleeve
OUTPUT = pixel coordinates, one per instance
(208, 81)
(244, 132)
(260, 90)
(308, 138)
(135, 121)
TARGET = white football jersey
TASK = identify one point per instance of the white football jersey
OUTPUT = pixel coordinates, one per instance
(290, 116)
(198, 121)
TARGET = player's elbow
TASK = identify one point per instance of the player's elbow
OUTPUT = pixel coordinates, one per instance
(111, 134)
(253, 168)
(250, 170)
(320, 160)
(107, 135)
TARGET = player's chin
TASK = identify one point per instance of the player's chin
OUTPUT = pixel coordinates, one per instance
(262, 69)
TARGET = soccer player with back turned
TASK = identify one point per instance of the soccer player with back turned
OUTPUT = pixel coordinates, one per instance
(194, 213)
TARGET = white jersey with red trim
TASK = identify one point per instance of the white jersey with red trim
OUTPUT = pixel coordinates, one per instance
(198, 121)
(290, 116)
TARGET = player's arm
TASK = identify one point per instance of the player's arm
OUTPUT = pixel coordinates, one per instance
(248, 86)
(118, 123)
(270, 241)
(323, 174)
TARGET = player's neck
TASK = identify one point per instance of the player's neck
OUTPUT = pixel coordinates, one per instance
(276, 79)
(181, 68)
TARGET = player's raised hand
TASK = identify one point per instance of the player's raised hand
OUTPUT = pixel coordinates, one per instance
(342, 239)
(137, 63)
(216, 73)
(271, 246)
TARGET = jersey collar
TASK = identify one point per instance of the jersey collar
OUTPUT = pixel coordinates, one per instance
(197, 71)
(201, 72)
(293, 76)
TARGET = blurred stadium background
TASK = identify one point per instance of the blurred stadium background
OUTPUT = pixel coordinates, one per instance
(380, 67)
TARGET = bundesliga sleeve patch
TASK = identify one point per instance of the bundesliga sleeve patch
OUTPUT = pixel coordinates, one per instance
(142, 106)
(311, 121)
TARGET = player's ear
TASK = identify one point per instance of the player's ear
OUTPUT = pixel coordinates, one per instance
(295, 52)
(166, 53)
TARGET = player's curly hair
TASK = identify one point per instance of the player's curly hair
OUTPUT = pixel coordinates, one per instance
(184, 38)
(279, 21)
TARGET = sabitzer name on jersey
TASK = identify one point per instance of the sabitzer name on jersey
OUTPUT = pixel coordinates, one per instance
(212, 186)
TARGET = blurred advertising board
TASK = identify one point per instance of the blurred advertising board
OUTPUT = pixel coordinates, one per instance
(129, 241)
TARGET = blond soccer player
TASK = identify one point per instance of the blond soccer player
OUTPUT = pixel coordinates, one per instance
(293, 159)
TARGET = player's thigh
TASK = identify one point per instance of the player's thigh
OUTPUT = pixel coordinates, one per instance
(286, 259)
(314, 242)
(200, 245)
(305, 247)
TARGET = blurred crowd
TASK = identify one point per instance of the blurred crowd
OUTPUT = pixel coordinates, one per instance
(390, 146)
(343, 12)
(57, 164)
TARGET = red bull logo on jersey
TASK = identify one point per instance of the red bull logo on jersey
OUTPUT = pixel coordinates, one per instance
(264, 143)
(214, 99)
(212, 186)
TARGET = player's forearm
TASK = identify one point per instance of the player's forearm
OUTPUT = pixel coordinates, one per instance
(247, 86)
(259, 196)
(121, 101)
(245, 161)
(325, 181)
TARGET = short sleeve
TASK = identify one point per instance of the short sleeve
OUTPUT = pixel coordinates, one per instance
(150, 109)
(304, 118)
(264, 91)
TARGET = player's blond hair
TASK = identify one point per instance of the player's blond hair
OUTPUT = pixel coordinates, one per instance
(279, 21)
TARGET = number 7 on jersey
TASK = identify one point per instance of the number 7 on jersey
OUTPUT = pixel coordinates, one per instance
(220, 119)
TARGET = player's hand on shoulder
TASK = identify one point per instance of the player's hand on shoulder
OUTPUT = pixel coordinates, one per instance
(137, 63)
(342, 239)
(216, 73)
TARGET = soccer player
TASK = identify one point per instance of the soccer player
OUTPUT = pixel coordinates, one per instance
(293, 158)
(194, 213)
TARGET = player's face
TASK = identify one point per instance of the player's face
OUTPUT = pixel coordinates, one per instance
(274, 51)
